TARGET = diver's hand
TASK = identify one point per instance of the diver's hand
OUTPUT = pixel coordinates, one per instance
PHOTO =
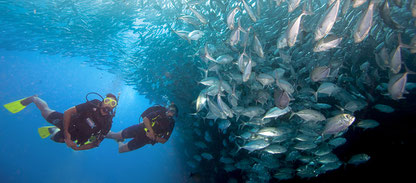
(71, 144)
(161, 140)
(151, 136)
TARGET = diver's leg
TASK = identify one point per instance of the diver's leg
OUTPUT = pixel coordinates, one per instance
(40, 104)
(134, 144)
(122, 147)
(114, 135)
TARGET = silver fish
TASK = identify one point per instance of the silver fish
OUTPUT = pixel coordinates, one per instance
(363, 25)
(304, 145)
(182, 34)
(385, 15)
(293, 30)
(231, 18)
(368, 123)
(270, 132)
(224, 107)
(384, 108)
(413, 7)
(320, 73)
(395, 62)
(281, 99)
(249, 11)
(257, 47)
(338, 123)
(201, 100)
(310, 115)
(210, 81)
(198, 15)
(327, 21)
(276, 112)
(224, 59)
(265, 79)
(397, 86)
(275, 149)
(190, 20)
(247, 71)
(358, 159)
(345, 6)
(327, 88)
(195, 35)
(327, 43)
(207, 156)
(254, 145)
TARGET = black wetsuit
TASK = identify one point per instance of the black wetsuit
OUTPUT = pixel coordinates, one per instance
(163, 127)
(87, 123)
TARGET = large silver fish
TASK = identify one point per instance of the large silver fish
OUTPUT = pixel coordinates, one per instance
(363, 25)
(327, 21)
(338, 123)
(292, 30)
(397, 86)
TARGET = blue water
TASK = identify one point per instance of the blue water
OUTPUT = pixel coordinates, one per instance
(63, 83)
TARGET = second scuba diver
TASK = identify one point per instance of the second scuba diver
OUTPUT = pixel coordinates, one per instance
(81, 127)
(157, 127)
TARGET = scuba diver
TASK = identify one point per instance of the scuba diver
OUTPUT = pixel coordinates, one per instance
(81, 127)
(157, 126)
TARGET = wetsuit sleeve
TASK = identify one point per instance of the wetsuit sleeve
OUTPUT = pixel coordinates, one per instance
(169, 132)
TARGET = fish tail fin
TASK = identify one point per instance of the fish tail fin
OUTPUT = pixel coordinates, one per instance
(340, 108)
(401, 44)
(408, 70)
(291, 114)
(238, 147)
(306, 11)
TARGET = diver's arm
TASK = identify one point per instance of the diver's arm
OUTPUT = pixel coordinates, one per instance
(161, 140)
(166, 136)
(67, 119)
(90, 145)
(87, 146)
(146, 122)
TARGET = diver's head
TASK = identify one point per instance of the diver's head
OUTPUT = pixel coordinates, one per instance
(108, 104)
(172, 110)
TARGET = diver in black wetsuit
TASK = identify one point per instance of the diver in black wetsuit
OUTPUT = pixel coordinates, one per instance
(81, 127)
(157, 127)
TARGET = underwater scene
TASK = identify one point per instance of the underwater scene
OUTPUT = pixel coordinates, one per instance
(207, 91)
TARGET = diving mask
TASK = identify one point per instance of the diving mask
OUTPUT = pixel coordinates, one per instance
(110, 101)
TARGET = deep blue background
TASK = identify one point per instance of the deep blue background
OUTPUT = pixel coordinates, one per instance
(63, 83)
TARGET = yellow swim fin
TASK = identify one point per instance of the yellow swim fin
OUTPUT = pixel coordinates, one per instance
(45, 131)
(16, 106)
